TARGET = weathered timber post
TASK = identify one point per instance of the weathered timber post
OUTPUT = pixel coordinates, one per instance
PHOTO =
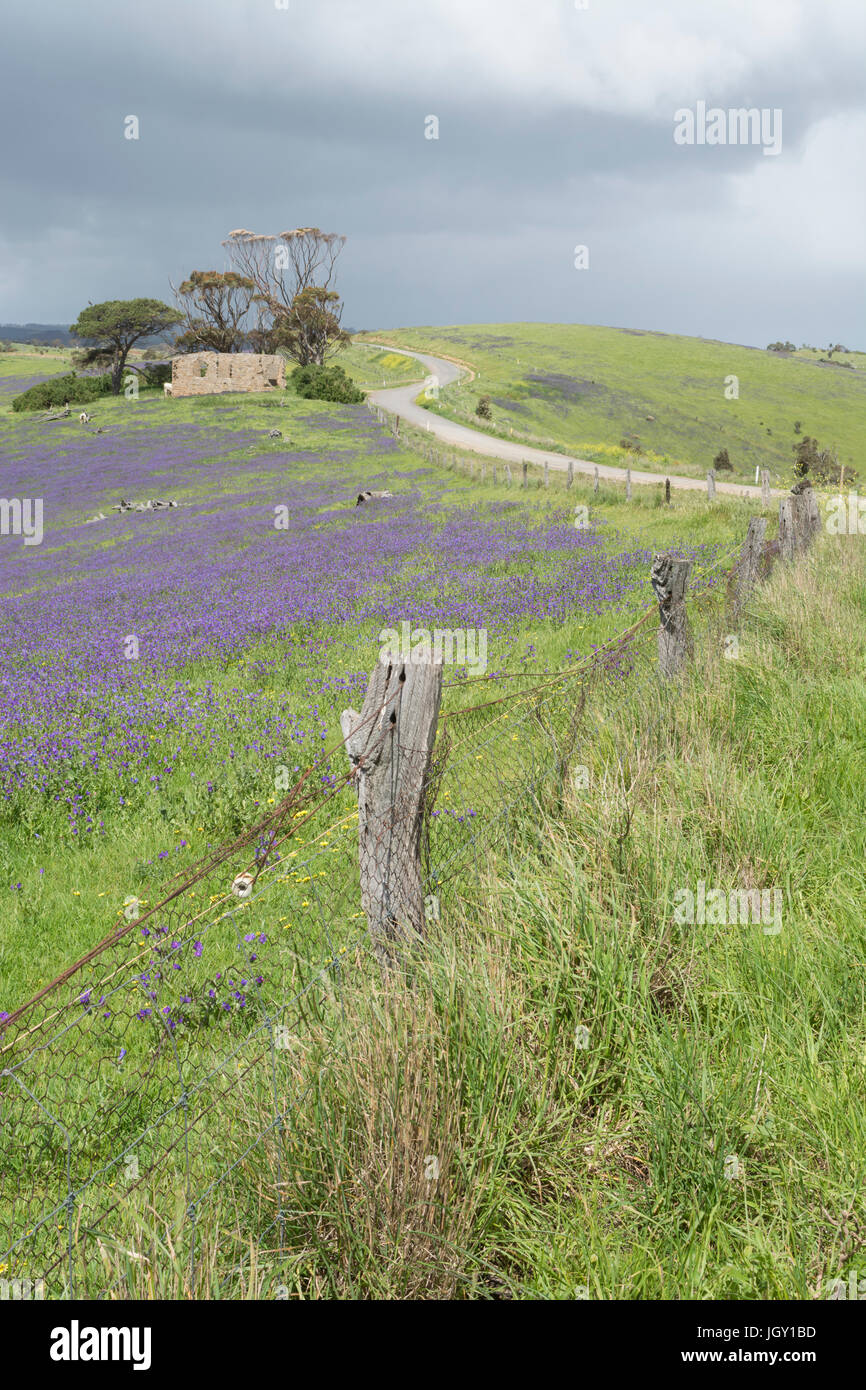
(787, 529)
(508, 478)
(525, 470)
(669, 578)
(765, 487)
(746, 571)
(595, 481)
(667, 492)
(570, 473)
(628, 485)
(397, 426)
(546, 475)
(807, 516)
(495, 479)
(802, 536)
(389, 745)
(711, 486)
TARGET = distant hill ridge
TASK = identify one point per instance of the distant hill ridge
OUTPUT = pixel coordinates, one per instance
(48, 334)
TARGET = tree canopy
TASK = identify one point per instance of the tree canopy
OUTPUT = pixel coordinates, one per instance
(294, 276)
(214, 307)
(115, 326)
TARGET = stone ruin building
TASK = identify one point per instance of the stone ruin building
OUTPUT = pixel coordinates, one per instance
(211, 373)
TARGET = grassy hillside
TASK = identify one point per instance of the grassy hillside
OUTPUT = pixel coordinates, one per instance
(588, 388)
(582, 1067)
(704, 1138)
(371, 368)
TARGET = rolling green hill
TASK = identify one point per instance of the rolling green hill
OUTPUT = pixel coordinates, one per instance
(587, 389)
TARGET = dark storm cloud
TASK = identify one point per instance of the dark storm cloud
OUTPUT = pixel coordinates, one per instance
(555, 129)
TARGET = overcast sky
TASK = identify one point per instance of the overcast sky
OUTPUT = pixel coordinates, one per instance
(556, 129)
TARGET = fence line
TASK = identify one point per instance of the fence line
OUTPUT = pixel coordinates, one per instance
(413, 437)
(115, 1093)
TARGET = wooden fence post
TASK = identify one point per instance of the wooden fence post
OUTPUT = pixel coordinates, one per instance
(765, 487)
(787, 538)
(802, 532)
(389, 745)
(669, 578)
(667, 492)
(746, 571)
(711, 486)
(628, 485)
(807, 518)
(525, 468)
(546, 476)
(595, 481)
(508, 478)
(495, 479)
(570, 472)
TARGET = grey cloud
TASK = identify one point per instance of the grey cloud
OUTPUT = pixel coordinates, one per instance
(257, 118)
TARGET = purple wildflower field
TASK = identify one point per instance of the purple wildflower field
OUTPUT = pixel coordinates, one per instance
(249, 637)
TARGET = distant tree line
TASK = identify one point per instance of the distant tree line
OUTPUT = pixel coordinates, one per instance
(791, 347)
(279, 298)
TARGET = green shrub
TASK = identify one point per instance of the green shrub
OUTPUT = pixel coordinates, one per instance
(316, 383)
(482, 409)
(77, 390)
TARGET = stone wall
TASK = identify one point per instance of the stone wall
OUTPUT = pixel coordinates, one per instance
(211, 373)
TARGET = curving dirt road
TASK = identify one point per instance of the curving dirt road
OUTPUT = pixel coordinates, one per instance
(400, 400)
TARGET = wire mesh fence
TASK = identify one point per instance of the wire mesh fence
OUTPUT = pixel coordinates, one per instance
(148, 1094)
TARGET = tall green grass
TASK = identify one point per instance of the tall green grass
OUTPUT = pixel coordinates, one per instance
(574, 1095)
(709, 1141)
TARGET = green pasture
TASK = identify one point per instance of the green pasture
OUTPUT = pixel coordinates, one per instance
(582, 1066)
(653, 399)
